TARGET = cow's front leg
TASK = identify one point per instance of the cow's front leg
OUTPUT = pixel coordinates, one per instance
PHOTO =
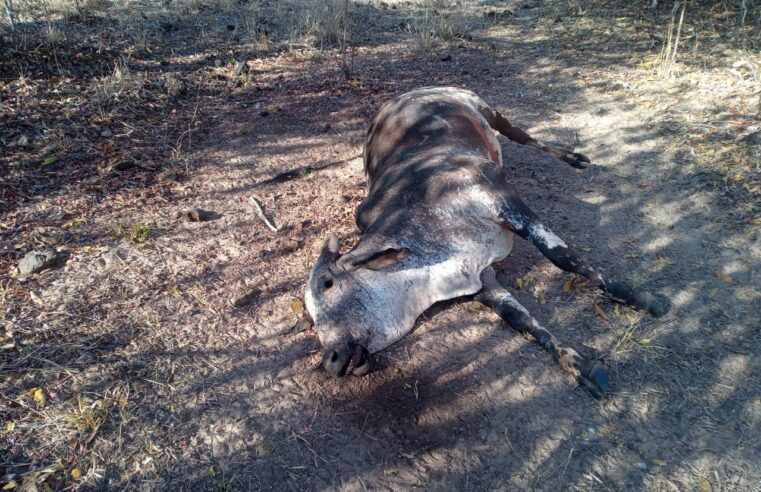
(591, 374)
(526, 224)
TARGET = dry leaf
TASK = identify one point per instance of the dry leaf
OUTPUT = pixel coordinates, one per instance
(36, 298)
(10, 485)
(38, 395)
(645, 341)
(724, 276)
(659, 462)
(519, 282)
(76, 474)
(10, 425)
(568, 286)
(601, 313)
(297, 307)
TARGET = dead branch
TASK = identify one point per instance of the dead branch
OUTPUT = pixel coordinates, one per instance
(260, 213)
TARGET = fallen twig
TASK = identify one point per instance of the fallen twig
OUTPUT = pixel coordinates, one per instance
(261, 215)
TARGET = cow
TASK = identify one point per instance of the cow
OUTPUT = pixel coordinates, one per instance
(439, 215)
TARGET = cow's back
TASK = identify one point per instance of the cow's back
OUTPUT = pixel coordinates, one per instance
(429, 120)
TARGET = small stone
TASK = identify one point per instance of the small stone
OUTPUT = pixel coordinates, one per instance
(290, 245)
(243, 296)
(217, 63)
(36, 261)
(196, 215)
(106, 134)
(302, 324)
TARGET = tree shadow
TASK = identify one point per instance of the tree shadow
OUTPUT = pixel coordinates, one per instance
(456, 403)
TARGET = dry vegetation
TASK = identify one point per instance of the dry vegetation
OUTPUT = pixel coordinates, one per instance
(161, 352)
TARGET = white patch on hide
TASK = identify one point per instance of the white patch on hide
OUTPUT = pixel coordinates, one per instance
(546, 236)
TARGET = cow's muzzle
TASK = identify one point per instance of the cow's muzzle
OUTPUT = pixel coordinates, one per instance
(351, 358)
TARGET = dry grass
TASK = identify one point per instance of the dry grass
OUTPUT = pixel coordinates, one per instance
(323, 21)
(136, 234)
(436, 23)
(120, 84)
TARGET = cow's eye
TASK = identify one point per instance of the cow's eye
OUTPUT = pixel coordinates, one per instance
(328, 283)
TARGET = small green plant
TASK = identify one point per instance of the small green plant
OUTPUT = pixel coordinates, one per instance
(137, 234)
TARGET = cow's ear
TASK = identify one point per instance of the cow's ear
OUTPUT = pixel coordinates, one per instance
(379, 260)
(329, 252)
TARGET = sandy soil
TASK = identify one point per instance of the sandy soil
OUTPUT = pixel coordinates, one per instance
(152, 380)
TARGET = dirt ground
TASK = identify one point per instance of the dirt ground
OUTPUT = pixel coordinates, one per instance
(127, 367)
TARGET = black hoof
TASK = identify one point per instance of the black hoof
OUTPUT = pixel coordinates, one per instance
(595, 378)
(577, 160)
(656, 305)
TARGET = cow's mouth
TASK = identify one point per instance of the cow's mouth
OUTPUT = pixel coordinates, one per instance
(350, 359)
(360, 361)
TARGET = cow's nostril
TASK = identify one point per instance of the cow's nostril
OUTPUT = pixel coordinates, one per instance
(328, 284)
(334, 356)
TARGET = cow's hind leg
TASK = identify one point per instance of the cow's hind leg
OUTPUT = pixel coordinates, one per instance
(503, 126)
(591, 374)
(525, 223)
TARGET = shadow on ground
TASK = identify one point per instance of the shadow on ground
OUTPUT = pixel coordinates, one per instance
(225, 398)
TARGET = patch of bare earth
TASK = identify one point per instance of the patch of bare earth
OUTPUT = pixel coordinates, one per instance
(163, 353)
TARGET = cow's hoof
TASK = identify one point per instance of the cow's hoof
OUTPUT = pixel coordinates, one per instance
(579, 161)
(656, 305)
(595, 378)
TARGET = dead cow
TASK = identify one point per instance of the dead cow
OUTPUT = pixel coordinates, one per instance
(440, 212)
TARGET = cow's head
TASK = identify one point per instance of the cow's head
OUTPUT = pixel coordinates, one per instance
(355, 303)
